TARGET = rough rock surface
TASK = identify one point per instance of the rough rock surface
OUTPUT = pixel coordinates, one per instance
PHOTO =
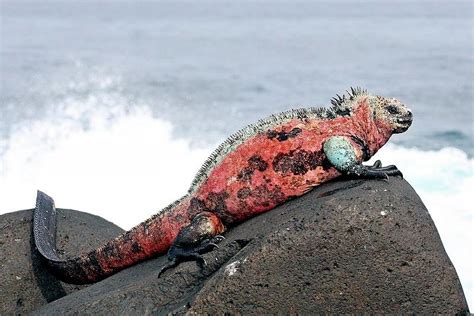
(346, 247)
(25, 283)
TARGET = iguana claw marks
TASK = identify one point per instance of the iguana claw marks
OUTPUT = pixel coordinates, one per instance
(253, 171)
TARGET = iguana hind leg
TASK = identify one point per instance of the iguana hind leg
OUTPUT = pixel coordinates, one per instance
(199, 237)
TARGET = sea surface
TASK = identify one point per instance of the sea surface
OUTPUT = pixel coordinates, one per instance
(112, 106)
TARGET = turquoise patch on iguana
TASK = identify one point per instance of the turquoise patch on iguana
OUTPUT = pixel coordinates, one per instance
(340, 152)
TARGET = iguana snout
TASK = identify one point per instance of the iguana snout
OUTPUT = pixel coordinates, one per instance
(393, 112)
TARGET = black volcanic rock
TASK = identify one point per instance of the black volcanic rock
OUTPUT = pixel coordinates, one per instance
(346, 247)
(25, 283)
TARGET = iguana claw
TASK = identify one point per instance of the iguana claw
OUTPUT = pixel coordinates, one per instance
(376, 171)
(169, 265)
(377, 166)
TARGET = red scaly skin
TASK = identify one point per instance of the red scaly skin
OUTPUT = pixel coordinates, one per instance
(266, 170)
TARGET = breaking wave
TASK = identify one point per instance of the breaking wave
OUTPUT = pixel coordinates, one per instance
(121, 164)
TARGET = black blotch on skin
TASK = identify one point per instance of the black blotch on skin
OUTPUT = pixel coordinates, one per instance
(264, 195)
(243, 193)
(255, 162)
(215, 202)
(363, 146)
(326, 164)
(70, 271)
(271, 134)
(294, 132)
(94, 267)
(282, 136)
(196, 206)
(109, 251)
(298, 162)
(136, 248)
(179, 218)
(245, 174)
(128, 237)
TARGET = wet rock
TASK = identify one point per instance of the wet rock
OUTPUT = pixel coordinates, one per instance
(25, 283)
(346, 247)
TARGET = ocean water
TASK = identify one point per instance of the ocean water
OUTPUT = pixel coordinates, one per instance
(112, 106)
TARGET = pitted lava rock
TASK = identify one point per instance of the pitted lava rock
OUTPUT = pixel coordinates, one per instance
(327, 252)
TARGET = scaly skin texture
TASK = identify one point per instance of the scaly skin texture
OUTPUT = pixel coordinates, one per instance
(284, 158)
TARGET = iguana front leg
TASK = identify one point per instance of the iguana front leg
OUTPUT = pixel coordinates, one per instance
(346, 157)
(199, 237)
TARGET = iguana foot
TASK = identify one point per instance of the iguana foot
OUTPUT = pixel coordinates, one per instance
(376, 171)
(178, 254)
(200, 236)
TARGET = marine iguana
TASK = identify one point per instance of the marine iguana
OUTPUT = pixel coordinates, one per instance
(254, 170)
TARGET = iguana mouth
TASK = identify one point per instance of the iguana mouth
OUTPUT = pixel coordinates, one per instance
(406, 119)
(403, 123)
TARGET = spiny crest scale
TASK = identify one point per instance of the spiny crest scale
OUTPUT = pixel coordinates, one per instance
(352, 93)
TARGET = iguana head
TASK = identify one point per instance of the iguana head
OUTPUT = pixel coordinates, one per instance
(387, 113)
(390, 111)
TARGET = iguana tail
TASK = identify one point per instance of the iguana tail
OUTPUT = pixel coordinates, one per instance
(145, 240)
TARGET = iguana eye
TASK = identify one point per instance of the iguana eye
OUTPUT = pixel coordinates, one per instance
(393, 109)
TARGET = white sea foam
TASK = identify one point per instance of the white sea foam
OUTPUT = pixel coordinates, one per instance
(124, 165)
